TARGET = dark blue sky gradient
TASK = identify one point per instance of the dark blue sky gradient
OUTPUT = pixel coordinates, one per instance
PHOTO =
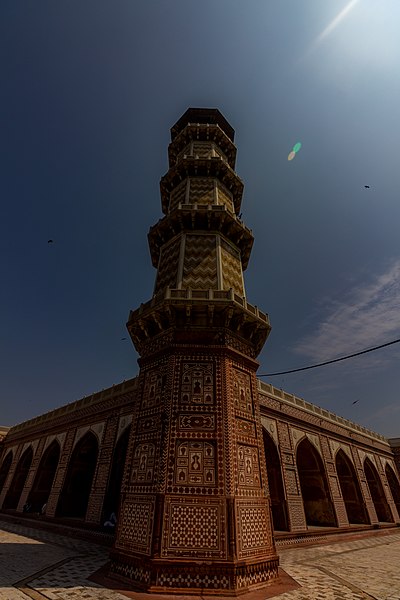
(89, 92)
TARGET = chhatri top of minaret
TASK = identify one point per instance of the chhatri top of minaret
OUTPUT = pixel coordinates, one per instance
(206, 116)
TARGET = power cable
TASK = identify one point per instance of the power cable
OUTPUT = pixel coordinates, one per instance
(329, 362)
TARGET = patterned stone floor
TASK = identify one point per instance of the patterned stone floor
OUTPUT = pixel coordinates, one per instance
(42, 565)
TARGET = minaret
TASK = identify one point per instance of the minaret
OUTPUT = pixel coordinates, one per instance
(194, 513)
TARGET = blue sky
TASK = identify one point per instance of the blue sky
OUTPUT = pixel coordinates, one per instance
(90, 90)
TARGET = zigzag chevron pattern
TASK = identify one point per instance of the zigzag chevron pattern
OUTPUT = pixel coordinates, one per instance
(231, 269)
(200, 267)
(202, 149)
(168, 267)
(201, 190)
(225, 197)
(178, 195)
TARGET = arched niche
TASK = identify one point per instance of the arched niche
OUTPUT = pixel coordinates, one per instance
(18, 481)
(75, 493)
(275, 484)
(351, 491)
(382, 509)
(318, 507)
(394, 486)
(44, 478)
(113, 493)
(4, 469)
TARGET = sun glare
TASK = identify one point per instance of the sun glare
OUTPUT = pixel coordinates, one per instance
(335, 22)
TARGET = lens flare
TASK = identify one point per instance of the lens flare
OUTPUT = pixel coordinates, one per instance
(294, 151)
(296, 147)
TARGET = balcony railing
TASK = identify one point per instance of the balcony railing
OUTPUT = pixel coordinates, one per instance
(207, 295)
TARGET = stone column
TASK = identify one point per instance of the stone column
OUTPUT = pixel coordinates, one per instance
(59, 477)
(32, 473)
(104, 464)
(297, 519)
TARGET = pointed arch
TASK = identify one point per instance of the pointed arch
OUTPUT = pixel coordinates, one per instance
(5, 468)
(112, 496)
(318, 506)
(275, 484)
(350, 487)
(394, 486)
(75, 493)
(382, 509)
(44, 477)
(18, 481)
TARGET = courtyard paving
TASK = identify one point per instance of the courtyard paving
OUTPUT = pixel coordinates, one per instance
(40, 565)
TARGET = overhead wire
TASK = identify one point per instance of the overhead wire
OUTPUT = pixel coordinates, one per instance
(329, 362)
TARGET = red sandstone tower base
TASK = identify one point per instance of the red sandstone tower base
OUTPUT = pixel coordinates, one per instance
(195, 513)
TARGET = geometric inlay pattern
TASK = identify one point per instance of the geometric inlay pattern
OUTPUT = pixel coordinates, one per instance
(231, 268)
(242, 391)
(245, 428)
(200, 262)
(195, 463)
(168, 265)
(291, 482)
(224, 197)
(201, 190)
(181, 580)
(253, 524)
(258, 574)
(152, 389)
(143, 463)
(248, 467)
(196, 422)
(201, 149)
(197, 385)
(137, 517)
(194, 527)
(177, 196)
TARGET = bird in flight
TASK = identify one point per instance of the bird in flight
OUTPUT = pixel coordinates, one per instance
(367, 187)
(122, 339)
(355, 402)
(50, 241)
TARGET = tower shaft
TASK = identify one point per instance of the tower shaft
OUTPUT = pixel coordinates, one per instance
(195, 509)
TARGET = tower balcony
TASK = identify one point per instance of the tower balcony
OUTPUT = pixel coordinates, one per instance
(191, 166)
(198, 316)
(201, 217)
(195, 132)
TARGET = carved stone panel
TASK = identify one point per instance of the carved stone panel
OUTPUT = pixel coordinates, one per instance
(143, 463)
(197, 386)
(248, 466)
(194, 527)
(137, 516)
(242, 397)
(152, 389)
(195, 463)
(253, 526)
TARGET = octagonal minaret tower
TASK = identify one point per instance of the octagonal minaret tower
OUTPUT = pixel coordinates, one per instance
(194, 511)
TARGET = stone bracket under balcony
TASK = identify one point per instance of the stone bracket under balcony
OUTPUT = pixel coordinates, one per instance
(203, 314)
